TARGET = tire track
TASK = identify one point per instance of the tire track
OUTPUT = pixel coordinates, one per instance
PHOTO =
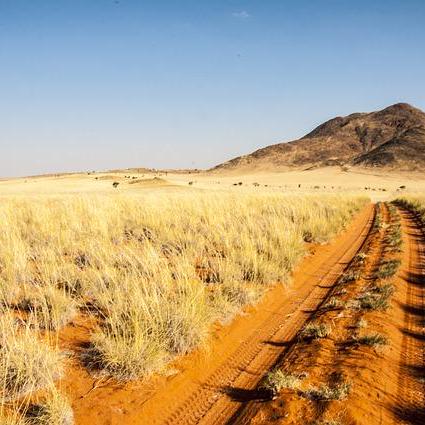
(234, 382)
(373, 242)
(411, 375)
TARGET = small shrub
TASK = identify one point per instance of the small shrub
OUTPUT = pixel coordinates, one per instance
(361, 323)
(325, 392)
(372, 340)
(395, 241)
(361, 257)
(373, 301)
(277, 380)
(334, 303)
(315, 331)
(115, 184)
(385, 290)
(388, 269)
(342, 291)
(350, 276)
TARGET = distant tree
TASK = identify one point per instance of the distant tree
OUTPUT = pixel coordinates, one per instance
(115, 184)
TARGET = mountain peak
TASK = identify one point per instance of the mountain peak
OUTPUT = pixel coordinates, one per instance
(392, 137)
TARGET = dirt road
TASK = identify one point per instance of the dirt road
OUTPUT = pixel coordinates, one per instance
(210, 391)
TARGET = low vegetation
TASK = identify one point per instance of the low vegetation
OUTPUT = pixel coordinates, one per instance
(277, 379)
(414, 203)
(151, 273)
(53, 410)
(338, 391)
(372, 340)
(388, 268)
(315, 331)
(26, 363)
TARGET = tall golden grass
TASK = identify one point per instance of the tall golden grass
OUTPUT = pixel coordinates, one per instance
(153, 272)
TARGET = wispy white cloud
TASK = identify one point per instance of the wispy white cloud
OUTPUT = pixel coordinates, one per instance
(242, 14)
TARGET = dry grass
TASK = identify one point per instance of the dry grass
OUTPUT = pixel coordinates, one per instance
(154, 273)
(415, 203)
(338, 391)
(277, 379)
(53, 410)
(315, 331)
(26, 363)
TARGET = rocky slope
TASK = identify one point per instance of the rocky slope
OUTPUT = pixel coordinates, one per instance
(392, 138)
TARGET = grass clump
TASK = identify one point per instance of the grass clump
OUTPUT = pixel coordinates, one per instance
(372, 340)
(277, 379)
(388, 268)
(361, 323)
(376, 298)
(54, 410)
(386, 290)
(334, 303)
(350, 276)
(49, 307)
(315, 331)
(142, 332)
(372, 301)
(377, 223)
(13, 419)
(361, 257)
(26, 364)
(124, 355)
(395, 239)
(339, 391)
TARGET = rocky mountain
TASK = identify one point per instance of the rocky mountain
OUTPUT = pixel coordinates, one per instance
(391, 138)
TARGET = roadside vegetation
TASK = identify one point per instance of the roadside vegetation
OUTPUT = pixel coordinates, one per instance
(152, 273)
(414, 203)
(344, 325)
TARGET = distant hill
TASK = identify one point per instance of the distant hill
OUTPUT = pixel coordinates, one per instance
(392, 138)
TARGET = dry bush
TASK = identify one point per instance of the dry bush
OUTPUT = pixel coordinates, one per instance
(315, 331)
(277, 379)
(338, 391)
(372, 340)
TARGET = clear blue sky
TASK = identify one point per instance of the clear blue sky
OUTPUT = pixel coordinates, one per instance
(97, 84)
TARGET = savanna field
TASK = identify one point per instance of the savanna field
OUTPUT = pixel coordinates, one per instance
(149, 275)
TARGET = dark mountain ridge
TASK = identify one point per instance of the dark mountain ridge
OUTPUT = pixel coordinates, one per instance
(392, 138)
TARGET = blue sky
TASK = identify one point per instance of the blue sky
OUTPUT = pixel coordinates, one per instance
(99, 84)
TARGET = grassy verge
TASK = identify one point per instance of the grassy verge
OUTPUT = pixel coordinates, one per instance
(154, 273)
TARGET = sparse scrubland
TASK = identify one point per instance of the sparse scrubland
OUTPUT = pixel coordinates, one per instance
(414, 203)
(152, 273)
